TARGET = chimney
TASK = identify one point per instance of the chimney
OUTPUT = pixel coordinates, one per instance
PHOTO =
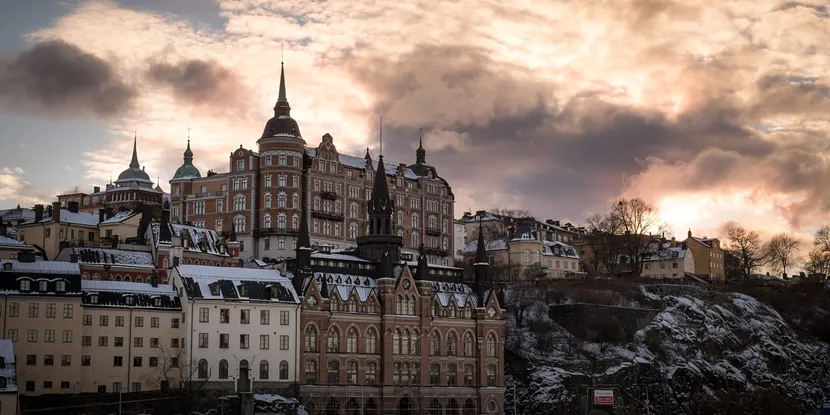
(56, 212)
(73, 206)
(110, 213)
(96, 189)
(38, 213)
(556, 223)
(101, 215)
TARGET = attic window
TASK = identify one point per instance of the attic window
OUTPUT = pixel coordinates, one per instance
(243, 290)
(157, 302)
(43, 286)
(214, 289)
(60, 286)
(129, 299)
(25, 285)
(93, 299)
(674, 254)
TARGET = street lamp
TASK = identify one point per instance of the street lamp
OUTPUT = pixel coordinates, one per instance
(120, 388)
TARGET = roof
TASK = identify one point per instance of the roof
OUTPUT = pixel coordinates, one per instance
(564, 250)
(344, 284)
(6, 242)
(458, 293)
(79, 218)
(17, 214)
(662, 252)
(49, 271)
(202, 240)
(116, 294)
(219, 283)
(356, 162)
(43, 267)
(340, 255)
(120, 217)
(497, 244)
(113, 256)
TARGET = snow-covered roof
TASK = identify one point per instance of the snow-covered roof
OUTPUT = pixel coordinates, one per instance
(126, 287)
(337, 256)
(6, 242)
(113, 256)
(119, 217)
(224, 283)
(564, 250)
(344, 284)
(497, 244)
(656, 253)
(456, 292)
(142, 295)
(356, 162)
(79, 218)
(42, 267)
(197, 236)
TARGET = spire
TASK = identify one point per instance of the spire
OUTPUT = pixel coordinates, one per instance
(303, 240)
(188, 154)
(481, 264)
(423, 264)
(481, 250)
(134, 162)
(282, 107)
(232, 237)
(421, 154)
(367, 156)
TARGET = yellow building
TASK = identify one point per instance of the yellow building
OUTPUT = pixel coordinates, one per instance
(709, 256)
(59, 228)
(665, 260)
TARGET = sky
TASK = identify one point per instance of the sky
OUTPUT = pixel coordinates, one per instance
(715, 111)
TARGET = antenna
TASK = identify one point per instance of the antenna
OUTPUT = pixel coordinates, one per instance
(282, 52)
(381, 136)
(188, 133)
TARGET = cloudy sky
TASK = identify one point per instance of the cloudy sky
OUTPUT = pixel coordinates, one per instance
(713, 110)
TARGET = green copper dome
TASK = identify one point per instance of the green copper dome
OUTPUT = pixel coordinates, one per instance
(187, 170)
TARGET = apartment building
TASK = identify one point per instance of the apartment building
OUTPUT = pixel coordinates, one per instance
(242, 327)
(259, 195)
(8, 378)
(498, 225)
(709, 256)
(666, 260)
(58, 228)
(136, 265)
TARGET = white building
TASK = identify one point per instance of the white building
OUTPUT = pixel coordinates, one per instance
(460, 241)
(242, 327)
(8, 378)
(666, 261)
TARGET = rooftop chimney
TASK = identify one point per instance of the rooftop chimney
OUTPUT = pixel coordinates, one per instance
(101, 215)
(73, 206)
(38, 213)
(109, 212)
(56, 212)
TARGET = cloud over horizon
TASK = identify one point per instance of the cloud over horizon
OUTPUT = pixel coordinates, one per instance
(556, 107)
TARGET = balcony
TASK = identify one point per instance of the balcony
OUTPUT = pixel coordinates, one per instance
(274, 231)
(328, 195)
(543, 265)
(432, 231)
(209, 194)
(436, 251)
(327, 215)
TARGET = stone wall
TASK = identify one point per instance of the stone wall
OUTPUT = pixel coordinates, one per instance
(602, 323)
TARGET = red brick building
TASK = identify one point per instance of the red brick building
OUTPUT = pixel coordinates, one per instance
(260, 195)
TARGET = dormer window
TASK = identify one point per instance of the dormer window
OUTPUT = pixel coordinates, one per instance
(272, 291)
(25, 285)
(43, 286)
(129, 299)
(60, 286)
(186, 243)
(157, 302)
(243, 291)
(214, 289)
(93, 299)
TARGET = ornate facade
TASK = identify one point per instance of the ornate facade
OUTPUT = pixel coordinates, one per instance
(260, 195)
(381, 336)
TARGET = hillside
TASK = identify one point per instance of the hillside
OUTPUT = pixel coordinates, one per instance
(668, 349)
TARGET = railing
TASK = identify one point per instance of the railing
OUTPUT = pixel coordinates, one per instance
(210, 194)
(436, 251)
(327, 215)
(328, 195)
(433, 231)
(274, 231)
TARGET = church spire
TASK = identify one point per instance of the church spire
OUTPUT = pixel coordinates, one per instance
(134, 162)
(421, 154)
(481, 264)
(188, 154)
(303, 240)
(282, 108)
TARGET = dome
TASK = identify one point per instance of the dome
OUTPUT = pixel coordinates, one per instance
(281, 125)
(187, 169)
(133, 174)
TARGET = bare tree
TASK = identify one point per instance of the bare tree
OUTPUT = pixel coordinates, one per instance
(781, 251)
(818, 262)
(520, 297)
(747, 249)
(175, 370)
(637, 220)
(602, 244)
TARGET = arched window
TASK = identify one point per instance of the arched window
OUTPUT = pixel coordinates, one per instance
(352, 407)
(281, 221)
(203, 369)
(371, 373)
(432, 222)
(139, 279)
(452, 344)
(435, 374)
(351, 340)
(469, 376)
(400, 218)
(353, 231)
(469, 407)
(527, 257)
(295, 221)
(411, 306)
(239, 223)
(405, 342)
(283, 370)
(263, 369)
(317, 203)
(333, 340)
(223, 369)
(396, 342)
(452, 408)
(434, 344)
(310, 339)
(396, 374)
(353, 210)
(351, 373)
(267, 221)
(414, 220)
(310, 372)
(267, 201)
(414, 239)
(371, 408)
(239, 203)
(371, 340)
(491, 345)
(334, 373)
(468, 344)
(413, 343)
(452, 374)
(295, 201)
(444, 226)
(281, 200)
(491, 376)
(399, 304)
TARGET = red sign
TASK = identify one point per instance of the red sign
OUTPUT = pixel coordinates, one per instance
(603, 397)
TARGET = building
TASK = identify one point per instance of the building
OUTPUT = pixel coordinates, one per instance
(172, 244)
(10, 247)
(8, 378)
(666, 260)
(131, 335)
(499, 225)
(102, 264)
(260, 195)
(526, 254)
(132, 188)
(709, 257)
(243, 327)
(59, 228)
(381, 336)
(42, 317)
(461, 241)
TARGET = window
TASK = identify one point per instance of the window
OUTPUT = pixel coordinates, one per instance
(48, 360)
(468, 344)
(264, 341)
(244, 315)
(32, 336)
(435, 374)
(203, 340)
(154, 362)
(49, 336)
(243, 341)
(263, 370)
(33, 309)
(333, 340)
(118, 342)
(491, 376)
(154, 322)
(14, 309)
(310, 372)
(68, 310)
(44, 285)
(283, 370)
(333, 373)
(527, 257)
(239, 203)
(452, 375)
(86, 360)
(310, 339)
(174, 323)
(284, 342)
(434, 344)
(139, 322)
(66, 336)
(119, 321)
(103, 341)
(224, 340)
(413, 343)
(223, 369)
(50, 310)
(491, 345)
(137, 361)
(351, 373)
(154, 342)
(396, 342)
(452, 344)
(240, 165)
(469, 375)
(351, 340)
(202, 369)
(118, 361)
(86, 341)
(103, 321)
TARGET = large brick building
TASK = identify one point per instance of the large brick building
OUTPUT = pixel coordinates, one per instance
(260, 195)
(382, 336)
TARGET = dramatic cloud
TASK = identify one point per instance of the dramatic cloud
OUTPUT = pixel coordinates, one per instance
(58, 78)
(13, 187)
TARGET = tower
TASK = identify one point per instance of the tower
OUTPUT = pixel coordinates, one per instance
(481, 265)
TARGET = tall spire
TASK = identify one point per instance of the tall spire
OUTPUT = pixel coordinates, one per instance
(480, 267)
(282, 108)
(188, 154)
(380, 204)
(423, 264)
(134, 162)
(303, 240)
(421, 154)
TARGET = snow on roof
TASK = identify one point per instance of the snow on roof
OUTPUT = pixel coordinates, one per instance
(5, 241)
(360, 163)
(656, 253)
(119, 217)
(564, 250)
(44, 267)
(113, 256)
(225, 282)
(80, 218)
(338, 256)
(344, 284)
(127, 287)
(493, 245)
(456, 292)
(197, 235)
(230, 273)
